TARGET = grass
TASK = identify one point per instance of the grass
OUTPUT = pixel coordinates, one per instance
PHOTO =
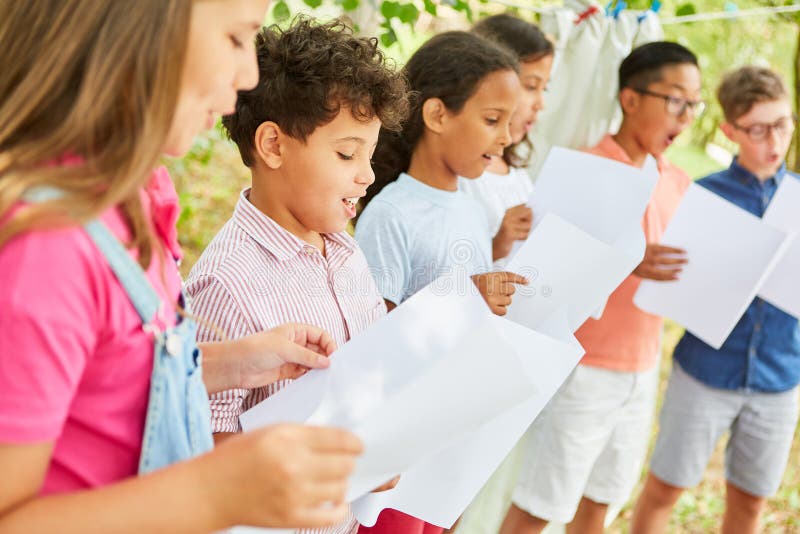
(209, 181)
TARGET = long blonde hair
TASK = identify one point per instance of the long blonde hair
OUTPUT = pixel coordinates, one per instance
(96, 79)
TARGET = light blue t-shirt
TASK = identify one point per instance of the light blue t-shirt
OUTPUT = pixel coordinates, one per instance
(412, 233)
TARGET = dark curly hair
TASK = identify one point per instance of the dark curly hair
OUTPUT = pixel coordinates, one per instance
(449, 66)
(529, 44)
(307, 72)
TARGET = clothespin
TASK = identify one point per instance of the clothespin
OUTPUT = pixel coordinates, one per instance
(591, 10)
(621, 4)
(655, 7)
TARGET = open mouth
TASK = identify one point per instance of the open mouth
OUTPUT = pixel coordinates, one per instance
(350, 205)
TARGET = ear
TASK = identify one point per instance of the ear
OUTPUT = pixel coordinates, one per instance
(434, 114)
(628, 100)
(268, 144)
(728, 129)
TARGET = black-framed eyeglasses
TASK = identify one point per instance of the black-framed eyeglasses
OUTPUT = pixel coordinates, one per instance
(675, 105)
(760, 131)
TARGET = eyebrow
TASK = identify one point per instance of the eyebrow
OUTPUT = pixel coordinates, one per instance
(501, 110)
(358, 140)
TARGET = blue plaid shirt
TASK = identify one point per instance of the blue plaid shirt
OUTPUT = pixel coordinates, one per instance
(762, 353)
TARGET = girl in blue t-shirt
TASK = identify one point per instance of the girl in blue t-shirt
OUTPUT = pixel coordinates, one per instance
(417, 225)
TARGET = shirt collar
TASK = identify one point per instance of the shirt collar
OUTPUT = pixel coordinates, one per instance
(277, 240)
(748, 178)
(614, 150)
(438, 196)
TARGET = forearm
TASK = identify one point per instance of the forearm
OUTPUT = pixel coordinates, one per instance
(220, 367)
(176, 499)
(501, 247)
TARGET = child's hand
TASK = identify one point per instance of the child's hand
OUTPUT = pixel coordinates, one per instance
(497, 289)
(661, 263)
(284, 352)
(389, 485)
(516, 226)
(284, 476)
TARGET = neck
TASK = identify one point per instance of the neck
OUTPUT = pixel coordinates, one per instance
(626, 138)
(762, 173)
(499, 166)
(427, 167)
(267, 196)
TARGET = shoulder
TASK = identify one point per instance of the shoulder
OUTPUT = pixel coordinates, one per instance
(51, 272)
(380, 212)
(226, 264)
(717, 180)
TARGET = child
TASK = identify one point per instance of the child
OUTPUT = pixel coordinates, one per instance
(505, 187)
(307, 132)
(91, 291)
(417, 225)
(749, 386)
(586, 449)
(503, 191)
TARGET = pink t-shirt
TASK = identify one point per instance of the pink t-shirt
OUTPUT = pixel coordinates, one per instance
(626, 338)
(75, 363)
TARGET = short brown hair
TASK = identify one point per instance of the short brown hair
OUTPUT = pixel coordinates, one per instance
(741, 89)
(307, 72)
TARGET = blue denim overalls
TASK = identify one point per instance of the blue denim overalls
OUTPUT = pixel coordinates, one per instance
(178, 421)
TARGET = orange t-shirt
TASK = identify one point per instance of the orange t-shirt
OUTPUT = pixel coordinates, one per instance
(626, 338)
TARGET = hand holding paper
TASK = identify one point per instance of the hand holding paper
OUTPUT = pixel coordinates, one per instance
(661, 263)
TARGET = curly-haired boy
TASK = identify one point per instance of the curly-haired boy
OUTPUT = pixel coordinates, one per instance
(307, 132)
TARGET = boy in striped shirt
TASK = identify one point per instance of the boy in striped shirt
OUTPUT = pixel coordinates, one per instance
(307, 132)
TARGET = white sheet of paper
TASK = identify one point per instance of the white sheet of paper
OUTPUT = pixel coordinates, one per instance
(388, 383)
(603, 197)
(568, 270)
(439, 488)
(729, 252)
(781, 288)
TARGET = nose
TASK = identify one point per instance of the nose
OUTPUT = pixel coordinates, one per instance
(505, 135)
(774, 135)
(538, 102)
(366, 176)
(247, 72)
(687, 114)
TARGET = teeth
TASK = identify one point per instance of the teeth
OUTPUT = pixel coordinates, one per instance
(352, 200)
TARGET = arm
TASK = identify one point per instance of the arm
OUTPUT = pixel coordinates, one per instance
(284, 352)
(250, 480)
(516, 226)
(383, 239)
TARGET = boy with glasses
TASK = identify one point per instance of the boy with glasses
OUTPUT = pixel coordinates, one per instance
(749, 386)
(587, 448)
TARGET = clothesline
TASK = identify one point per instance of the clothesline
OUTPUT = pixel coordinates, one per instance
(698, 17)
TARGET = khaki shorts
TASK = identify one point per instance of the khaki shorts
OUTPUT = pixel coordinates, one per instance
(694, 418)
(590, 441)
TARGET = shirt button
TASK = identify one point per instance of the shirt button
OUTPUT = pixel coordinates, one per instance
(757, 327)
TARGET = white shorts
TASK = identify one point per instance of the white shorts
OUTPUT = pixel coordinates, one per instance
(591, 440)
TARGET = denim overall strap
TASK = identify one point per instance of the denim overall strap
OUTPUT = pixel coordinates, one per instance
(128, 272)
(178, 421)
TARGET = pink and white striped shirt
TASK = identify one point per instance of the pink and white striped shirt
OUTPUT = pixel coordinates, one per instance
(256, 275)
